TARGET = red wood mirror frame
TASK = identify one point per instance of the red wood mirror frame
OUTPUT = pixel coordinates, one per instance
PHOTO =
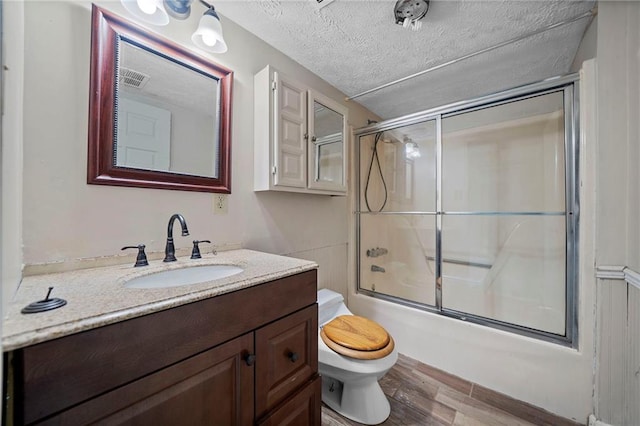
(107, 31)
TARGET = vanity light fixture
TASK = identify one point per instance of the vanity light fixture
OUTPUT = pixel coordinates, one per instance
(208, 35)
(150, 11)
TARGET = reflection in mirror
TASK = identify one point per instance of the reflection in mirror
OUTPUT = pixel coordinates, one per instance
(166, 114)
(159, 115)
(327, 126)
(328, 132)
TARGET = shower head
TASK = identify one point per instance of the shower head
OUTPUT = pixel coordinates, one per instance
(408, 13)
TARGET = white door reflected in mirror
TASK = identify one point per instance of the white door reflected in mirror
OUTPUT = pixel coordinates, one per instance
(143, 136)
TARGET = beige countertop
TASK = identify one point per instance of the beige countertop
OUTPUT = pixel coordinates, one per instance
(97, 296)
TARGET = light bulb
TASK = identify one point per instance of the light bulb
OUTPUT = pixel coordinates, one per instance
(209, 39)
(412, 151)
(147, 6)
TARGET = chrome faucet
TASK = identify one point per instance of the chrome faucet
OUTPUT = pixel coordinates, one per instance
(170, 250)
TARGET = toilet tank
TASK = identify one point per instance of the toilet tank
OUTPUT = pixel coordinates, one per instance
(329, 302)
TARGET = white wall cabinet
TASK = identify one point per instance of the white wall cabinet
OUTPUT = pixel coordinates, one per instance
(299, 137)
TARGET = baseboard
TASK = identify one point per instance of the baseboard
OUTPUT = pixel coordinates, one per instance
(595, 422)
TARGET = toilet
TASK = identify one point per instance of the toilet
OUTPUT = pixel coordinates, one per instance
(350, 378)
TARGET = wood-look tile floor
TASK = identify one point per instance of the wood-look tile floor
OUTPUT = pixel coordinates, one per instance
(425, 396)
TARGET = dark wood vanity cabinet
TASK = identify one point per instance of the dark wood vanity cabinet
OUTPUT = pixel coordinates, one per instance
(242, 358)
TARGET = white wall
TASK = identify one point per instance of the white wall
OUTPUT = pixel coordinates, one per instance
(12, 139)
(64, 218)
(618, 225)
(588, 46)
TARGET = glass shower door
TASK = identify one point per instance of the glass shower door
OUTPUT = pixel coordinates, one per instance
(471, 211)
(503, 205)
(397, 216)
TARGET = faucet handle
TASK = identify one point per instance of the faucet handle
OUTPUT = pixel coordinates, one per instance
(195, 253)
(141, 260)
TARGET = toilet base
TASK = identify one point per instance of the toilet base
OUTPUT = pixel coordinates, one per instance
(362, 401)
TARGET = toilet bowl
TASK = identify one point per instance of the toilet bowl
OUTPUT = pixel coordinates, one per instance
(349, 385)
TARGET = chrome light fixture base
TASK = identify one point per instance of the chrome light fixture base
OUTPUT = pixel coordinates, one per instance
(408, 13)
(179, 9)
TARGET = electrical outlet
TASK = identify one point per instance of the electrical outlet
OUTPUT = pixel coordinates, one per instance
(220, 204)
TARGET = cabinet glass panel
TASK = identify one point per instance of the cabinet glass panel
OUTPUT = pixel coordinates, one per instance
(398, 169)
(505, 158)
(327, 129)
(507, 268)
(397, 256)
(329, 161)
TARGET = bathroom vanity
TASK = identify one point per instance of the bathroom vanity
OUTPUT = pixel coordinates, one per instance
(239, 351)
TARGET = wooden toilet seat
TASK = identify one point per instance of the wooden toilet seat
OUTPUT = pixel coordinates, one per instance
(357, 337)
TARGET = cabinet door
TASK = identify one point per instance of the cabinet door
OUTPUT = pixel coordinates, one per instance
(212, 388)
(286, 357)
(327, 145)
(290, 131)
(302, 409)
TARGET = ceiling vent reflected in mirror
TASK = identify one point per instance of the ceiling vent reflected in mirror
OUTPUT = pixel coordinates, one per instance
(132, 78)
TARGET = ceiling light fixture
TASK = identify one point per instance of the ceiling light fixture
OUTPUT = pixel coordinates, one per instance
(208, 35)
(408, 13)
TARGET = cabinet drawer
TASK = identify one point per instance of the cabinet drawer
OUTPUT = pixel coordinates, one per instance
(211, 388)
(286, 357)
(302, 409)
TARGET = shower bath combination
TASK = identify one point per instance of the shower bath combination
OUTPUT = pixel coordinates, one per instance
(481, 223)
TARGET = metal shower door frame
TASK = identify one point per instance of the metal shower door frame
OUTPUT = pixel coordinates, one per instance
(569, 85)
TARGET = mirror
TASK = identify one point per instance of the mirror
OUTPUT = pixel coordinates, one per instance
(328, 127)
(159, 115)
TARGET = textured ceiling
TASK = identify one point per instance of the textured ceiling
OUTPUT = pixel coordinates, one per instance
(355, 45)
(169, 83)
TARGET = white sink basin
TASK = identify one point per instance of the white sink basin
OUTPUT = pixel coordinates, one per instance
(184, 276)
